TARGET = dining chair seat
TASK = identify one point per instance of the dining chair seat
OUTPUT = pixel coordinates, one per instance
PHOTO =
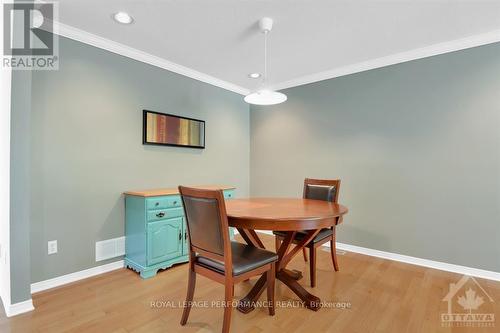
(245, 258)
(324, 233)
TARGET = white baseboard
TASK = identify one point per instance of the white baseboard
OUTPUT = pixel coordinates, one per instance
(73, 277)
(18, 308)
(76, 276)
(443, 266)
(464, 270)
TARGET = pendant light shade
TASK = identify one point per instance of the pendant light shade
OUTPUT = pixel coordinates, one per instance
(265, 96)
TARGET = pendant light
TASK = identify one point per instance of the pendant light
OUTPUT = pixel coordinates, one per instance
(265, 96)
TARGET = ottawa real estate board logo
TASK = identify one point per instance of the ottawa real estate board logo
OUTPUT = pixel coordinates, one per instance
(29, 39)
(469, 305)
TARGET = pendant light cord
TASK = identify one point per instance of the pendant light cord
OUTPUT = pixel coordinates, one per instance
(265, 56)
(265, 95)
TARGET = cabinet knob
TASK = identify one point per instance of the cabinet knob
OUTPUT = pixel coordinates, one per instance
(185, 235)
(180, 236)
(160, 214)
(157, 204)
(175, 202)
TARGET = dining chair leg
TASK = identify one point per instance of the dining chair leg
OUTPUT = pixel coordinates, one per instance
(189, 296)
(277, 243)
(333, 250)
(271, 277)
(304, 253)
(312, 265)
(228, 307)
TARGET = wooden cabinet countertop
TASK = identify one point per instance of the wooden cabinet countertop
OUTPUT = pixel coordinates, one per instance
(172, 191)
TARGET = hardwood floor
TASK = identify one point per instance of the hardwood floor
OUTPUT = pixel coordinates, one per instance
(384, 296)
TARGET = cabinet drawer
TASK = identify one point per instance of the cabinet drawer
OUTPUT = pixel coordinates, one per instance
(228, 194)
(170, 201)
(161, 214)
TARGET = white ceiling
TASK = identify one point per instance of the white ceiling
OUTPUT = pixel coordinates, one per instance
(221, 39)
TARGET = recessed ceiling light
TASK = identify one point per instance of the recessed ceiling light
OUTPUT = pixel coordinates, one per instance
(254, 75)
(123, 18)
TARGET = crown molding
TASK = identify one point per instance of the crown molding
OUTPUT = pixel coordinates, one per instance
(82, 36)
(420, 53)
(397, 58)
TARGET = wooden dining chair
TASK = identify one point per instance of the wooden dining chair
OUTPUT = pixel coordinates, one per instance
(317, 189)
(213, 254)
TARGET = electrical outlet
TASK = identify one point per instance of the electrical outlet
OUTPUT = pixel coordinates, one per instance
(52, 247)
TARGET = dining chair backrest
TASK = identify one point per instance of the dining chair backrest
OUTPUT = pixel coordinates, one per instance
(206, 221)
(322, 189)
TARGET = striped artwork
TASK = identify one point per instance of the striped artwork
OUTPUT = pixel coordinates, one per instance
(173, 130)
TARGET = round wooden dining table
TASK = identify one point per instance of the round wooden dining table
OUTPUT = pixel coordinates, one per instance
(282, 214)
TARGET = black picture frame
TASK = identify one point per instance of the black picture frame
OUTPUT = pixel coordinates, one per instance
(144, 129)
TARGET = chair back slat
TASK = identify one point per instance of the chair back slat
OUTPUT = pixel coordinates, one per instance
(322, 189)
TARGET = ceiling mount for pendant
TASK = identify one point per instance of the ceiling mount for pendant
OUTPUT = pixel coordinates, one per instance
(265, 96)
(266, 24)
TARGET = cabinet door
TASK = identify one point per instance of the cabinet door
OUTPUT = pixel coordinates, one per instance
(164, 240)
(185, 241)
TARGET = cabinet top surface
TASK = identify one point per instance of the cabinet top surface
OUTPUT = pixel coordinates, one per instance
(172, 191)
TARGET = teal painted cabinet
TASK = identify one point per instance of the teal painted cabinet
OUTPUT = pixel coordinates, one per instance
(155, 230)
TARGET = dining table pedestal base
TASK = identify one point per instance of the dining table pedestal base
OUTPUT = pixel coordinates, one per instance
(294, 274)
(288, 277)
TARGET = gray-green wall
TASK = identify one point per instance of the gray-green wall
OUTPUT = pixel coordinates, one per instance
(86, 148)
(417, 146)
(20, 186)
